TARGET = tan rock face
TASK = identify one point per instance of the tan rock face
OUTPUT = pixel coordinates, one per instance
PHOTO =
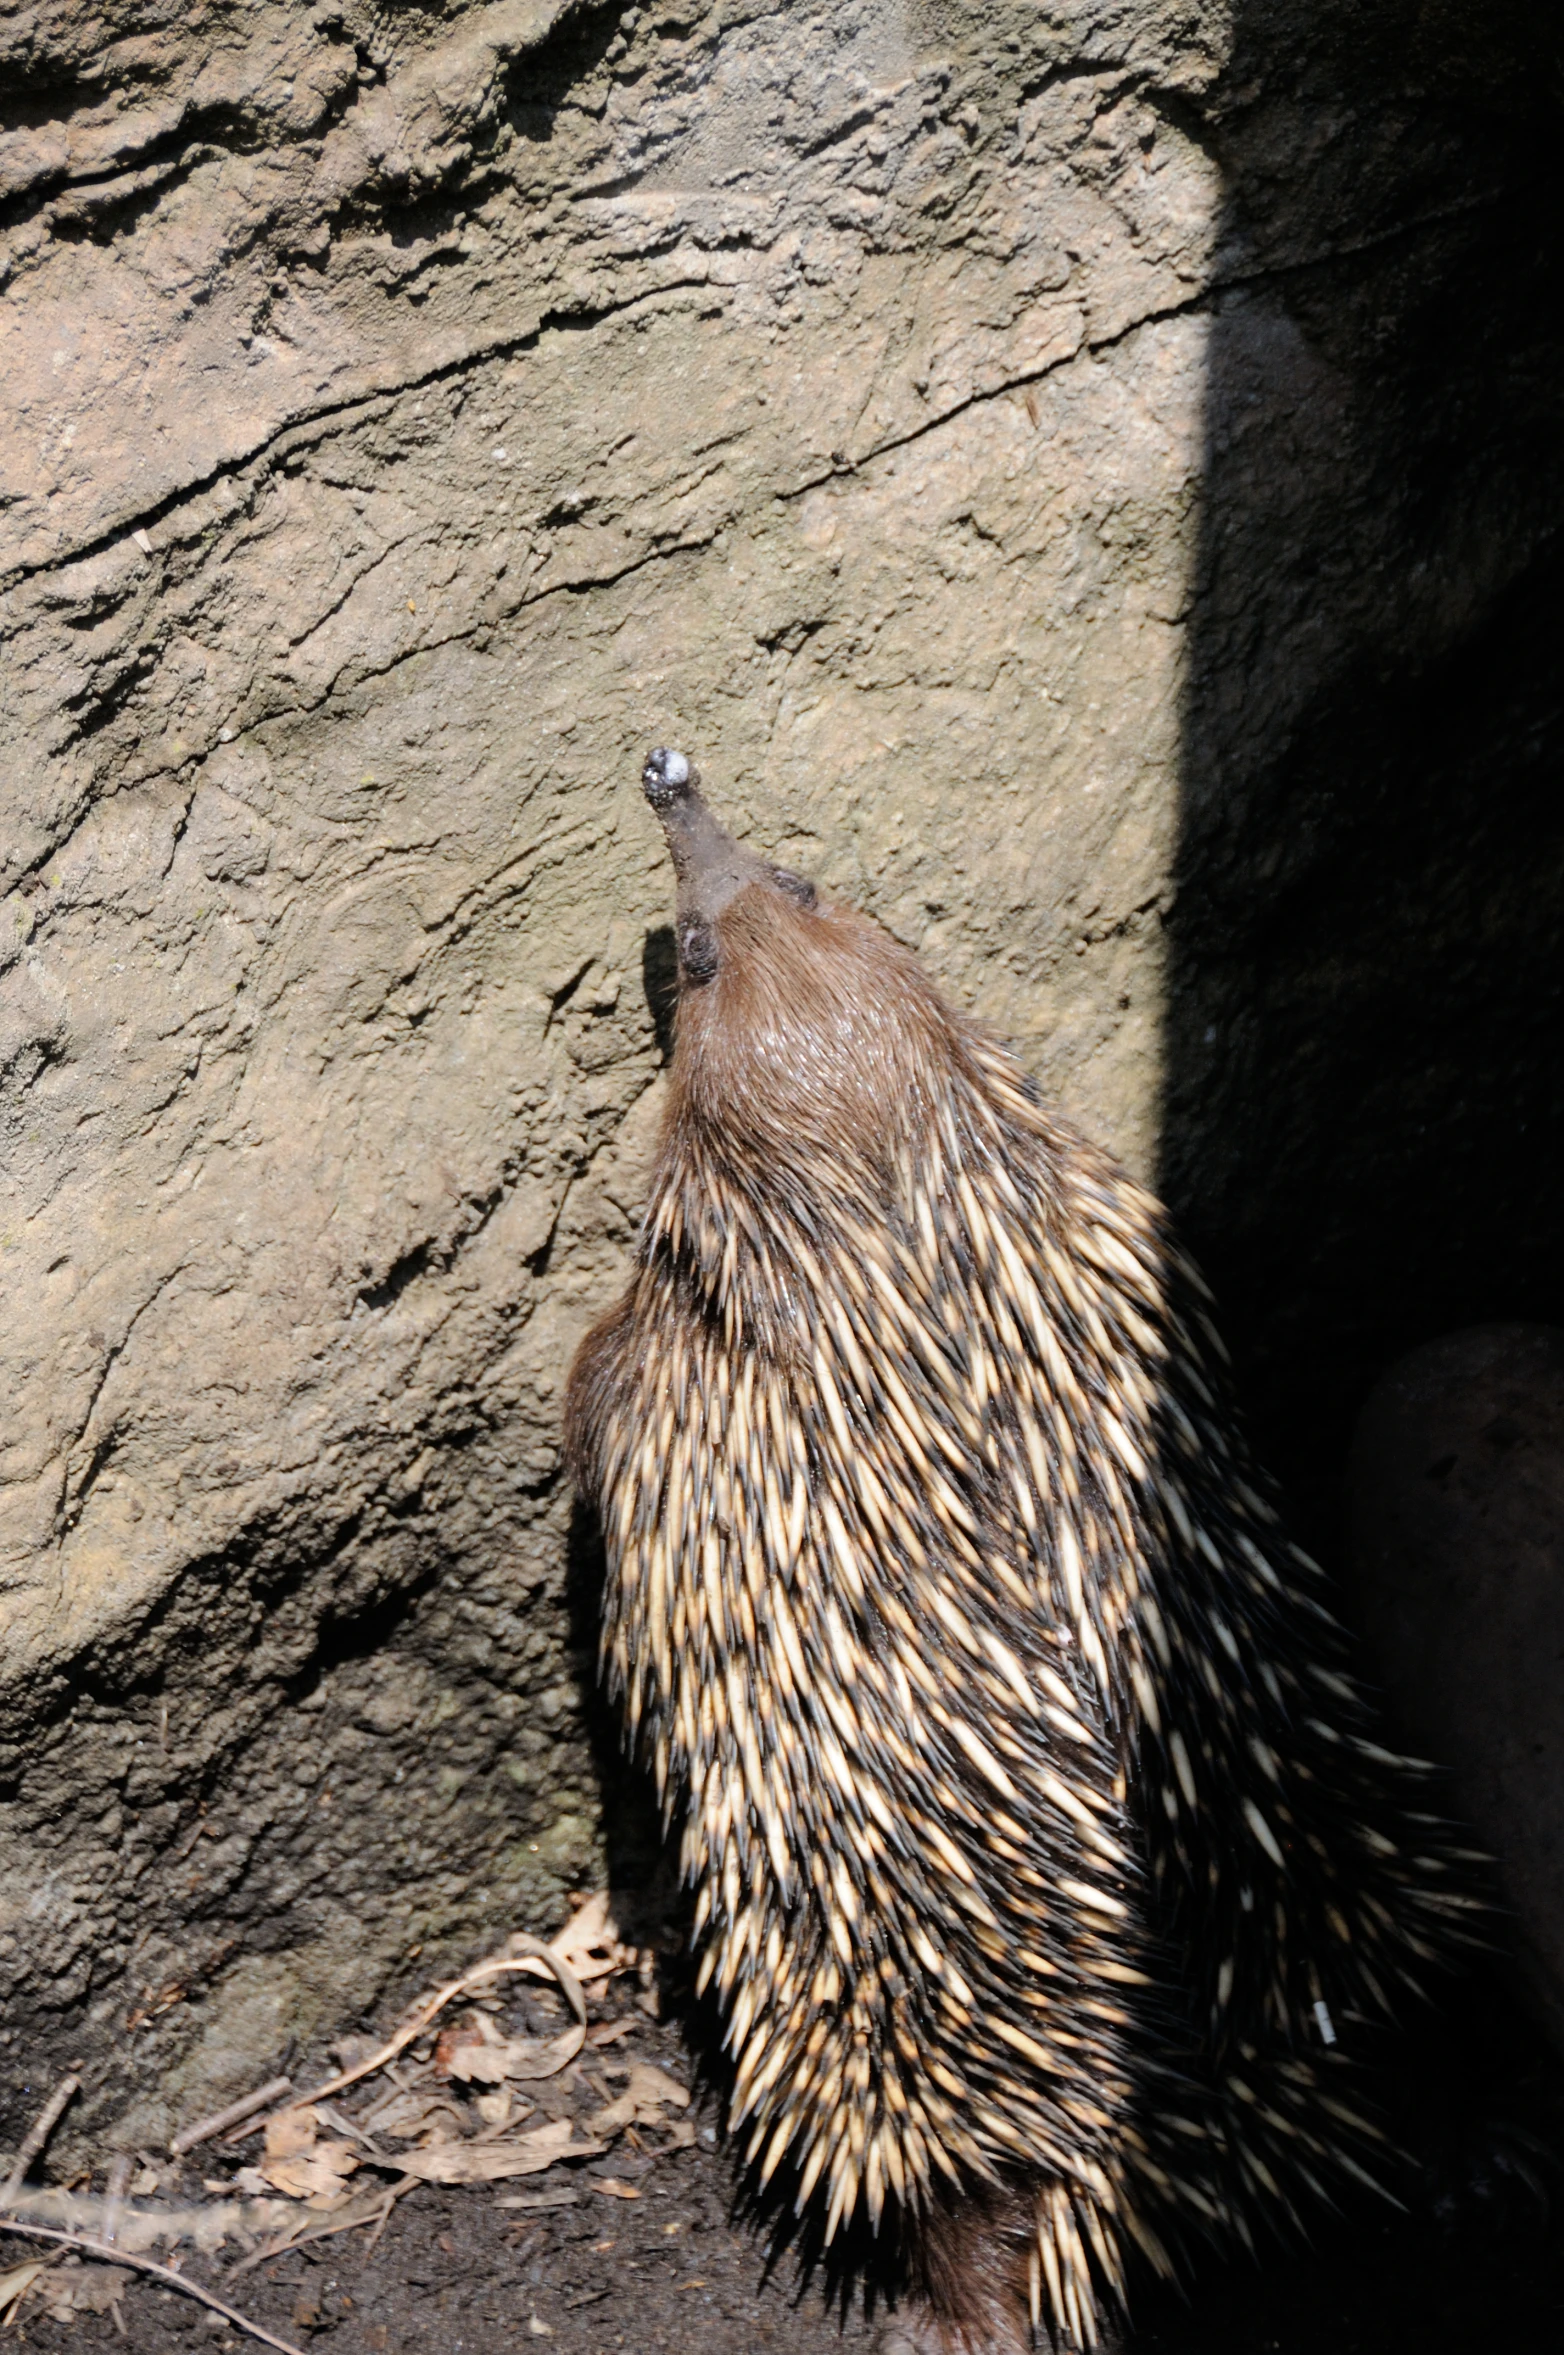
(973, 434)
(1458, 1569)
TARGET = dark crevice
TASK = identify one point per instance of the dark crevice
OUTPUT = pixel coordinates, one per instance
(145, 1659)
(97, 211)
(200, 134)
(36, 1058)
(100, 707)
(546, 80)
(388, 1289)
(660, 981)
(177, 835)
(640, 1855)
(111, 1358)
(430, 1258)
(858, 120)
(360, 1635)
(560, 998)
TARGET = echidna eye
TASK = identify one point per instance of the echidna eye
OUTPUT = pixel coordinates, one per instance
(797, 887)
(698, 952)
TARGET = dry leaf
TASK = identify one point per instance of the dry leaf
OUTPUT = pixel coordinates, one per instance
(497, 2110)
(315, 2175)
(649, 2092)
(591, 1925)
(301, 2166)
(361, 2207)
(490, 2162)
(15, 2285)
(532, 2057)
(290, 2132)
(617, 2115)
(74, 2288)
(589, 1944)
(476, 2051)
(654, 2089)
(472, 2050)
(615, 2189)
(415, 2112)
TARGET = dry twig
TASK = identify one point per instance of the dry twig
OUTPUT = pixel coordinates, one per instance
(204, 2128)
(109, 2255)
(43, 2126)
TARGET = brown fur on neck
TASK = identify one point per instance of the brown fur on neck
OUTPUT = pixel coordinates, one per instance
(818, 1036)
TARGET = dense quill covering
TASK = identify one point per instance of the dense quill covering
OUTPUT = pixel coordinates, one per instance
(1040, 1839)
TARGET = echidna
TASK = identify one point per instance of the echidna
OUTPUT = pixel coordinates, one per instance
(1045, 1862)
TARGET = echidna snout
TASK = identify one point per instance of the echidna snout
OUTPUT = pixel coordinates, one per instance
(711, 867)
(665, 776)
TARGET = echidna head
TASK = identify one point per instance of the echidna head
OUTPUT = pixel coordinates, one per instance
(801, 1024)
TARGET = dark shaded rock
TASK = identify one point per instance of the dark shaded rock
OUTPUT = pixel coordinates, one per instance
(1457, 1543)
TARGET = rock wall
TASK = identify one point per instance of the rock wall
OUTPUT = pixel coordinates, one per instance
(970, 430)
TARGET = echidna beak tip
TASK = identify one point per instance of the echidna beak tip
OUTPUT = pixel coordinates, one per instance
(667, 777)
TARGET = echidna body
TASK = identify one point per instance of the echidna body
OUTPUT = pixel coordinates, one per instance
(1045, 1860)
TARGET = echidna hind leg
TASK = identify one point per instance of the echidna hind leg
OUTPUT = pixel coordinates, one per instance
(1006, 2273)
(921, 2332)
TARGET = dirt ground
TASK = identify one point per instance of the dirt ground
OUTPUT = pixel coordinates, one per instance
(1472, 2263)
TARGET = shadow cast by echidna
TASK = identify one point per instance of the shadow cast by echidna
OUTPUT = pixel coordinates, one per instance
(1048, 1874)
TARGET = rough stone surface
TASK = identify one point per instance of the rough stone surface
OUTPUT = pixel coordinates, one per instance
(1457, 1564)
(1085, 481)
